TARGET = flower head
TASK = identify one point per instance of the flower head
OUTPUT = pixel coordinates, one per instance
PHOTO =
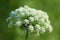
(36, 20)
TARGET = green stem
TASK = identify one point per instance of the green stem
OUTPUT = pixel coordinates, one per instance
(26, 34)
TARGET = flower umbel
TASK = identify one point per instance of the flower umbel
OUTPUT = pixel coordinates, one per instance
(33, 20)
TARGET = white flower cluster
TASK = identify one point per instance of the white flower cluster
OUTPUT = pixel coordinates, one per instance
(35, 20)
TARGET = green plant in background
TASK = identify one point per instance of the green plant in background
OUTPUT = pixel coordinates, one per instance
(32, 20)
(52, 7)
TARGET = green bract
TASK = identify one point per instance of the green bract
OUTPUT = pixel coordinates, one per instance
(34, 20)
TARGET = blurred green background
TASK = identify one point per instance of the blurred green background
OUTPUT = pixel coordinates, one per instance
(52, 7)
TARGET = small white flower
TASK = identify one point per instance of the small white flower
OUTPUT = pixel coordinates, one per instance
(46, 25)
(26, 21)
(36, 17)
(41, 20)
(50, 28)
(31, 19)
(37, 27)
(21, 9)
(32, 14)
(18, 23)
(13, 14)
(44, 15)
(31, 28)
(22, 14)
(38, 13)
(27, 13)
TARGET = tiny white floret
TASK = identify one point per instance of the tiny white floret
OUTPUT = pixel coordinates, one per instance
(26, 21)
(31, 19)
(18, 23)
(31, 28)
